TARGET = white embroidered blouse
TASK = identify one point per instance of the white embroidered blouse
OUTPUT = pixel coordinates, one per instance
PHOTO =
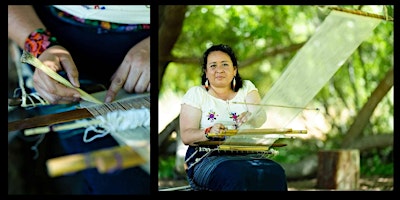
(216, 110)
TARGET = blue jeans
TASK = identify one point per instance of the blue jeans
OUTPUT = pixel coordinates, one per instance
(236, 173)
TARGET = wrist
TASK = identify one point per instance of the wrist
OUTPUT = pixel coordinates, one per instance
(38, 41)
(207, 131)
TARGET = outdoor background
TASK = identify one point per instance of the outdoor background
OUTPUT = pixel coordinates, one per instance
(356, 105)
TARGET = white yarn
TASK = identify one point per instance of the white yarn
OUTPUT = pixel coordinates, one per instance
(119, 121)
(128, 127)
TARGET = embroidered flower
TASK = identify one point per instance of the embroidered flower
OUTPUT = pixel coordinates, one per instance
(212, 116)
(233, 116)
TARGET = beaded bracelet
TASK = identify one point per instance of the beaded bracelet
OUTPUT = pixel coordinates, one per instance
(207, 131)
(38, 41)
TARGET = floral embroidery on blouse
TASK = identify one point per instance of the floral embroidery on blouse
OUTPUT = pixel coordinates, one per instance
(101, 26)
(212, 116)
(233, 116)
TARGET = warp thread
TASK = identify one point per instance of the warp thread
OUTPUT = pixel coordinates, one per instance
(118, 121)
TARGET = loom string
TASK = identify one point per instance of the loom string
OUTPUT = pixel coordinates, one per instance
(115, 121)
(139, 101)
(342, 53)
(21, 83)
(283, 106)
(134, 107)
(297, 86)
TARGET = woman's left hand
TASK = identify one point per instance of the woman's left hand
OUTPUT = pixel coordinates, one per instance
(243, 118)
(134, 72)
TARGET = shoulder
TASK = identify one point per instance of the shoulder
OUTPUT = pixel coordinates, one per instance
(196, 90)
(194, 96)
(194, 93)
(249, 86)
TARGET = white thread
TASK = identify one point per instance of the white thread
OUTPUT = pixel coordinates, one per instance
(119, 121)
(316, 62)
(124, 101)
(20, 73)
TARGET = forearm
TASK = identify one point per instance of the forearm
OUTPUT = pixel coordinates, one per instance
(22, 20)
(191, 136)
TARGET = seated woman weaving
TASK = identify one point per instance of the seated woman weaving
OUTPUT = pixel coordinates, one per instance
(209, 109)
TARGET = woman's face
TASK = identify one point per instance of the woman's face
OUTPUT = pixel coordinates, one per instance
(220, 70)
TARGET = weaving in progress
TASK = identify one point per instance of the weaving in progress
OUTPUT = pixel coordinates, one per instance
(127, 119)
(307, 73)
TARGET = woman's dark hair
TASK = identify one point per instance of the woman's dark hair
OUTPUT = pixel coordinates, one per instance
(228, 50)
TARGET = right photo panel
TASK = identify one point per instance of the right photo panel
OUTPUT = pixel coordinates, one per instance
(275, 98)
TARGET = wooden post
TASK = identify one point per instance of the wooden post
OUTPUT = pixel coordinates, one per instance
(338, 169)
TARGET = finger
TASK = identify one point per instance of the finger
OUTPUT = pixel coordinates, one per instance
(132, 80)
(112, 91)
(143, 82)
(58, 59)
(53, 91)
(118, 79)
(63, 95)
(71, 70)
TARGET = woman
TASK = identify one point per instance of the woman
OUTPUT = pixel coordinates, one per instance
(210, 108)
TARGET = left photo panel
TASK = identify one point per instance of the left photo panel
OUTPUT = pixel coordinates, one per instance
(79, 99)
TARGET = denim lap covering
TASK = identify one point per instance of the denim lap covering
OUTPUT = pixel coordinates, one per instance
(228, 172)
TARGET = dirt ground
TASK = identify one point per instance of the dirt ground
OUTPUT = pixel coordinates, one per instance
(366, 184)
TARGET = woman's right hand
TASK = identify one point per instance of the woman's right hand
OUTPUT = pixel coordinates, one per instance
(57, 58)
(215, 130)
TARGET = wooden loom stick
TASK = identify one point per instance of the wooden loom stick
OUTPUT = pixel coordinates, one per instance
(362, 13)
(216, 143)
(257, 131)
(47, 120)
(32, 60)
(80, 113)
(61, 127)
(105, 160)
(243, 148)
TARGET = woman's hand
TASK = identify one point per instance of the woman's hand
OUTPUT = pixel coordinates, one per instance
(217, 128)
(58, 59)
(243, 118)
(134, 72)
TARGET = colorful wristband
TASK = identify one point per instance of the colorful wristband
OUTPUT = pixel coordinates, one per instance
(38, 41)
(207, 131)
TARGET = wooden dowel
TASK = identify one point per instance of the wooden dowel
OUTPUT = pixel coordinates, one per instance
(60, 127)
(256, 131)
(243, 148)
(105, 160)
(216, 143)
(361, 13)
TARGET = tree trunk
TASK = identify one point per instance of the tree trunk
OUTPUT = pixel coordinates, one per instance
(365, 113)
(338, 169)
(170, 26)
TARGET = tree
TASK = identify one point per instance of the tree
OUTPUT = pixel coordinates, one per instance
(265, 38)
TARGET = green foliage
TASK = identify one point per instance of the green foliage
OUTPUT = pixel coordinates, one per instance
(377, 162)
(166, 167)
(254, 30)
